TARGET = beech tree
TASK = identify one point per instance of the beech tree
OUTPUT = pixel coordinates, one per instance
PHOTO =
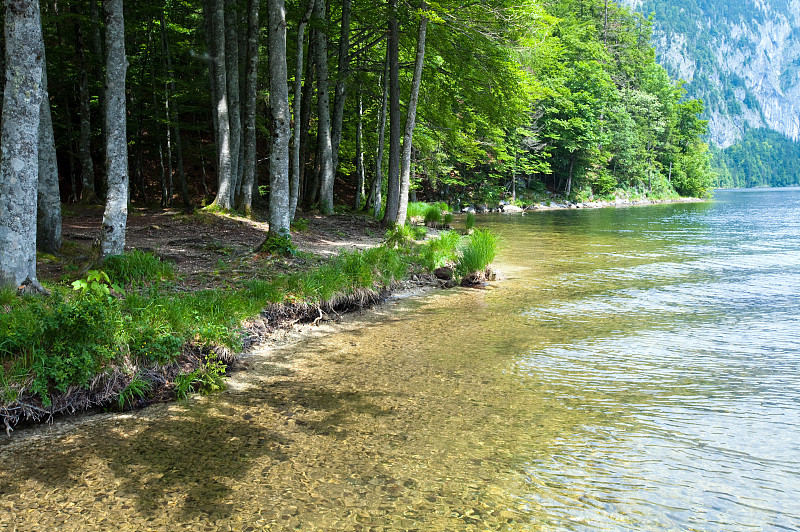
(48, 228)
(279, 216)
(19, 138)
(115, 217)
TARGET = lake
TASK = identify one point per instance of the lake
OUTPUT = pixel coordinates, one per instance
(637, 369)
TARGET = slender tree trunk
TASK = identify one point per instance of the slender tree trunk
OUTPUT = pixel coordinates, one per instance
(294, 184)
(250, 101)
(279, 216)
(341, 83)
(48, 232)
(88, 193)
(569, 178)
(112, 239)
(308, 188)
(99, 59)
(224, 189)
(393, 186)
(19, 137)
(411, 118)
(377, 183)
(232, 28)
(324, 141)
(171, 86)
(359, 154)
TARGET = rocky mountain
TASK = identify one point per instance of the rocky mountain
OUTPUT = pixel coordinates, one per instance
(742, 57)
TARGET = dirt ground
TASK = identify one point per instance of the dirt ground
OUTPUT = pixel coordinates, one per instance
(208, 250)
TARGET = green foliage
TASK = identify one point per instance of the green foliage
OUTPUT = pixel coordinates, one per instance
(447, 220)
(300, 224)
(207, 379)
(761, 158)
(478, 252)
(433, 216)
(135, 389)
(137, 267)
(97, 284)
(401, 236)
(469, 221)
(441, 250)
(279, 245)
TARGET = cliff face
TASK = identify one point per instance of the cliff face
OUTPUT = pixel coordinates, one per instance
(741, 57)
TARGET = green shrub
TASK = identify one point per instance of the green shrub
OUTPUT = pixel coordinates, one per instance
(447, 220)
(479, 251)
(400, 236)
(137, 267)
(208, 378)
(279, 245)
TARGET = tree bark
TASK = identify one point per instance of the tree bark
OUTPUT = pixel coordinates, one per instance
(279, 219)
(377, 183)
(88, 193)
(176, 126)
(308, 189)
(250, 100)
(411, 118)
(340, 92)
(324, 141)
(232, 29)
(294, 184)
(19, 139)
(219, 74)
(48, 231)
(359, 154)
(393, 185)
(112, 239)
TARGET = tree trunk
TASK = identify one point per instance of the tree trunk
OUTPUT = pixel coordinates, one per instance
(279, 219)
(411, 118)
(294, 184)
(232, 29)
(250, 101)
(377, 183)
(359, 154)
(48, 231)
(340, 93)
(219, 74)
(178, 144)
(112, 239)
(19, 137)
(88, 193)
(308, 192)
(393, 185)
(569, 178)
(324, 141)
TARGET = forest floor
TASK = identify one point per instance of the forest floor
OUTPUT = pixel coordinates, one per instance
(209, 250)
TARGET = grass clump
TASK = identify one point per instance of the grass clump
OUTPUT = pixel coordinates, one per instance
(136, 267)
(469, 221)
(441, 250)
(433, 217)
(478, 252)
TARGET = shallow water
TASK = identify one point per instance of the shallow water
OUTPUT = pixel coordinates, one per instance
(638, 369)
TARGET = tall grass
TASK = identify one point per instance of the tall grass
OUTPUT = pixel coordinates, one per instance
(478, 252)
(137, 267)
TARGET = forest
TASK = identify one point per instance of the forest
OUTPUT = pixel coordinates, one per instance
(220, 133)
(223, 104)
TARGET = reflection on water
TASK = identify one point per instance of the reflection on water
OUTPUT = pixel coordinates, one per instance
(639, 369)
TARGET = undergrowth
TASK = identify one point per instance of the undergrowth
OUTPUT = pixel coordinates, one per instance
(54, 345)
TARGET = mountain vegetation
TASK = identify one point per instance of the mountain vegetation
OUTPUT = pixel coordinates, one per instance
(741, 58)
